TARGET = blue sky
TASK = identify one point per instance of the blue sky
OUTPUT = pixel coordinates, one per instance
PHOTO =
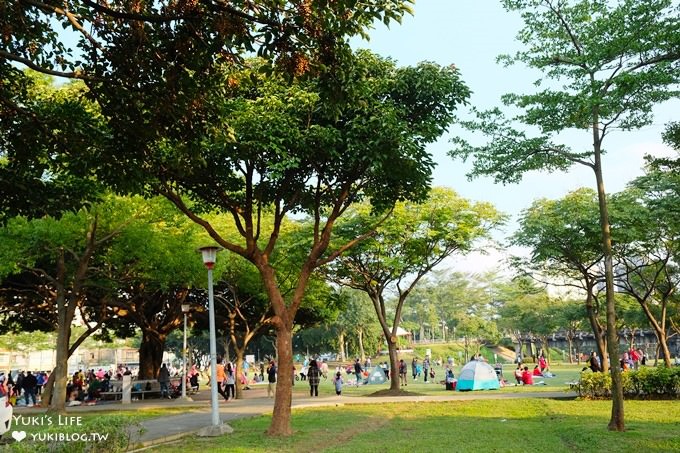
(471, 35)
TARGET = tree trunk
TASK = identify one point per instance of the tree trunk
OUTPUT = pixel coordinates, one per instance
(65, 313)
(48, 390)
(616, 423)
(659, 331)
(518, 351)
(280, 425)
(343, 353)
(239, 369)
(662, 348)
(227, 354)
(598, 332)
(60, 372)
(150, 354)
(394, 364)
(362, 353)
(570, 342)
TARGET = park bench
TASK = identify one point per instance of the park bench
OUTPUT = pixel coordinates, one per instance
(140, 388)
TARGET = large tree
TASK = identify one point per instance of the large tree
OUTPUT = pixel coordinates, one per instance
(611, 63)
(564, 239)
(151, 270)
(406, 247)
(50, 271)
(284, 146)
(648, 248)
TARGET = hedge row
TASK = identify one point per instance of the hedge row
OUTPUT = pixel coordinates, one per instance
(645, 383)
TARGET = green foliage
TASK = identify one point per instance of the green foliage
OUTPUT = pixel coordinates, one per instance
(375, 133)
(43, 132)
(645, 383)
(563, 235)
(181, 39)
(593, 385)
(407, 246)
(415, 238)
(604, 76)
(26, 341)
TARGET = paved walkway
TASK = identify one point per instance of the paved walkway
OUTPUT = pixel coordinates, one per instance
(255, 402)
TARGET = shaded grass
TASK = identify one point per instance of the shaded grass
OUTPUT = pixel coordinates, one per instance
(483, 425)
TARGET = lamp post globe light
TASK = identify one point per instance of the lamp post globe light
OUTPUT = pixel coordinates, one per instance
(185, 311)
(209, 255)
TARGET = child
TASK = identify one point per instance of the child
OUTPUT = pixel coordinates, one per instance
(338, 383)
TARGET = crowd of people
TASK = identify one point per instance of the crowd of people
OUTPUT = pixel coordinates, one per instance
(24, 388)
(629, 360)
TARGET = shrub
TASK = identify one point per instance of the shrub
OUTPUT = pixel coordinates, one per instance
(647, 382)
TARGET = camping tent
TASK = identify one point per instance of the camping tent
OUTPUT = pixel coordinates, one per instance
(377, 376)
(477, 375)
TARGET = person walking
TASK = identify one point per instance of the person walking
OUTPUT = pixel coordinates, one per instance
(271, 379)
(29, 383)
(426, 367)
(230, 380)
(402, 372)
(358, 370)
(324, 369)
(414, 368)
(19, 385)
(221, 378)
(313, 376)
(164, 381)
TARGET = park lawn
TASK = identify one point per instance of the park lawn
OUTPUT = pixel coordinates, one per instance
(540, 425)
(563, 375)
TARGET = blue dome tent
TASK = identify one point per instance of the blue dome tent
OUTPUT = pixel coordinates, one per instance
(477, 375)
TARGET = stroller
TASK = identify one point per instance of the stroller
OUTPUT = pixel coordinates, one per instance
(175, 389)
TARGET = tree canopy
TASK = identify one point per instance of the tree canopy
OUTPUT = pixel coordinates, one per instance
(600, 76)
(405, 247)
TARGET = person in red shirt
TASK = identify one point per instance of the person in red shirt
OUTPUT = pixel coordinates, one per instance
(527, 378)
(537, 372)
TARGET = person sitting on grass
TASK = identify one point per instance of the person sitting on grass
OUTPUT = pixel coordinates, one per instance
(537, 371)
(518, 373)
(527, 377)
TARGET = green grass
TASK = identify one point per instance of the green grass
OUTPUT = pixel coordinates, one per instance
(563, 374)
(537, 425)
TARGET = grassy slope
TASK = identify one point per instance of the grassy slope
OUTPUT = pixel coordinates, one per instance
(485, 426)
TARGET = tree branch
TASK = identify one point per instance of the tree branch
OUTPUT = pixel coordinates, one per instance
(71, 18)
(154, 18)
(78, 74)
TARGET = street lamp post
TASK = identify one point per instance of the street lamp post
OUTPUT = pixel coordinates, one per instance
(209, 255)
(185, 311)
